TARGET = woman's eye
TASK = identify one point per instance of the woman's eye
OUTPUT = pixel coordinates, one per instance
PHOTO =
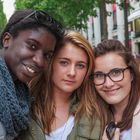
(49, 55)
(98, 75)
(64, 63)
(115, 72)
(33, 47)
(81, 66)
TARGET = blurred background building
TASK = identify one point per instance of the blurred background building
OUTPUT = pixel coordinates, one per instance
(118, 19)
(134, 26)
(116, 22)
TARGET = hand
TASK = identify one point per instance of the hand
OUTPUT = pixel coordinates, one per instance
(116, 135)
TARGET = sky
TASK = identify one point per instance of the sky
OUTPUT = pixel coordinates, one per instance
(8, 7)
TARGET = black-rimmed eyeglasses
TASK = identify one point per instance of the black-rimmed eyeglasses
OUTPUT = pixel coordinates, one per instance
(115, 75)
(45, 19)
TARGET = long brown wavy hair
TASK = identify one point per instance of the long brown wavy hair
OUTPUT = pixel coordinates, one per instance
(42, 88)
(117, 47)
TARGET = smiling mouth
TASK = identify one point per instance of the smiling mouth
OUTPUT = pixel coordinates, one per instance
(31, 69)
(111, 92)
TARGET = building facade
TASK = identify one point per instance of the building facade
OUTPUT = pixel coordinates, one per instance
(134, 25)
(116, 25)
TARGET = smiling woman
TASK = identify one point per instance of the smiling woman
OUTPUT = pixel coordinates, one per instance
(28, 44)
(116, 79)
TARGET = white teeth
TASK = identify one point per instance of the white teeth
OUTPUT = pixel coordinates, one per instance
(30, 70)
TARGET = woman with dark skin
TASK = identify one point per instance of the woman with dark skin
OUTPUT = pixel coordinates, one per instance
(28, 41)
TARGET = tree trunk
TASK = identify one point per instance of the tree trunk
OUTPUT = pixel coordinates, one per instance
(103, 16)
(126, 33)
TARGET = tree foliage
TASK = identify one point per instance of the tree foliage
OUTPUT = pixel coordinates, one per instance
(2, 17)
(73, 13)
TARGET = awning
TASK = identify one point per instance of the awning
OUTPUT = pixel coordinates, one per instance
(134, 16)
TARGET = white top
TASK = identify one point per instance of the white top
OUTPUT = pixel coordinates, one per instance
(126, 135)
(62, 132)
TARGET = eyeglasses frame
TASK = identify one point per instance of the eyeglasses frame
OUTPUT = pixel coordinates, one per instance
(107, 75)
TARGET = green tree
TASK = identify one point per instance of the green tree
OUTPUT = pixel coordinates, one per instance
(2, 17)
(72, 13)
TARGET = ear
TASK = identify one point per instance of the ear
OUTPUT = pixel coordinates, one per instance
(6, 40)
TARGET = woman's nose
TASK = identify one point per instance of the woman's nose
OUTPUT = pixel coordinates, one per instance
(72, 71)
(108, 81)
(39, 60)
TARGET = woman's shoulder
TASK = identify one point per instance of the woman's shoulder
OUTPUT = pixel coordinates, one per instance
(90, 126)
(3, 135)
(137, 110)
(34, 132)
(86, 129)
(135, 124)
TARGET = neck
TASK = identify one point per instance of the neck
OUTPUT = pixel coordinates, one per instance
(118, 110)
(62, 105)
(62, 99)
